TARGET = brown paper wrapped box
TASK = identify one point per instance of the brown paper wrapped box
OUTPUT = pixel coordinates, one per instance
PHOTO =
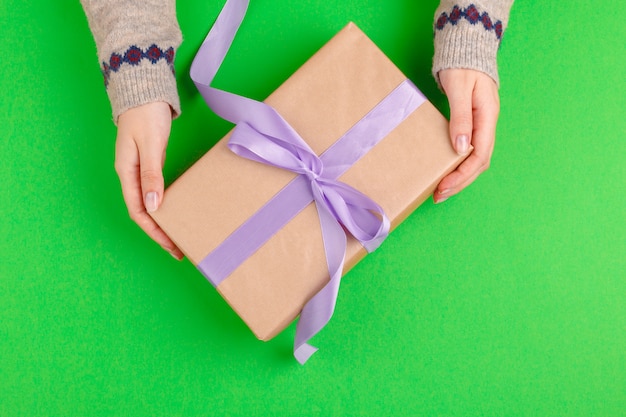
(331, 92)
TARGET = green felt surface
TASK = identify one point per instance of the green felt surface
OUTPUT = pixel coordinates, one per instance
(507, 300)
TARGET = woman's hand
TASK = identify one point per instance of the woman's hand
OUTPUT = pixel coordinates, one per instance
(142, 135)
(474, 110)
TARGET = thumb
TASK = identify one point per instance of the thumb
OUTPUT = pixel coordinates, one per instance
(459, 91)
(152, 184)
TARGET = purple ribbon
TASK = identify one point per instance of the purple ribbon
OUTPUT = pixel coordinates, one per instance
(262, 135)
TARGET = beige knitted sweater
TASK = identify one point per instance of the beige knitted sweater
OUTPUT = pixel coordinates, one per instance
(468, 35)
(137, 40)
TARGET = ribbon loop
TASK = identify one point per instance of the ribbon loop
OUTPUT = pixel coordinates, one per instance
(289, 152)
(362, 217)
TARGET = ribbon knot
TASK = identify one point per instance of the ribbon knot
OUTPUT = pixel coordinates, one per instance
(313, 176)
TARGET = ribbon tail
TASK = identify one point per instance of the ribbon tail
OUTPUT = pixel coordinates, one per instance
(213, 50)
(229, 106)
(318, 311)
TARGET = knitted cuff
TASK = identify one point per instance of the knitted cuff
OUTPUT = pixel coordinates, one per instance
(467, 38)
(130, 86)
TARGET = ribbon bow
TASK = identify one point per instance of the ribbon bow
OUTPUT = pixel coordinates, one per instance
(362, 217)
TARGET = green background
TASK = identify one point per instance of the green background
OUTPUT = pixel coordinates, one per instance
(507, 300)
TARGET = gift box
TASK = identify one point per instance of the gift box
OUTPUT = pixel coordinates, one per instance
(326, 97)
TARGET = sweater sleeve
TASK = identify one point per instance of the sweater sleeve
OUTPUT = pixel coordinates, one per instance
(468, 35)
(136, 42)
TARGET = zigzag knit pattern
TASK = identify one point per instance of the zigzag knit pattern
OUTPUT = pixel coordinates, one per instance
(133, 56)
(473, 16)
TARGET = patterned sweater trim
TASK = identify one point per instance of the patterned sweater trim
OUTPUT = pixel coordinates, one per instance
(134, 56)
(473, 16)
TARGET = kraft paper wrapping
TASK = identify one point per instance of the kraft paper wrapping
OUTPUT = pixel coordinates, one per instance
(331, 92)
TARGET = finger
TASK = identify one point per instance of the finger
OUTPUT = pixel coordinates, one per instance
(130, 179)
(151, 177)
(460, 178)
(152, 185)
(138, 213)
(152, 229)
(459, 89)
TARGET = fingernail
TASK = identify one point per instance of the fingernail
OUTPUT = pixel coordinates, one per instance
(178, 258)
(151, 201)
(462, 144)
(441, 196)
